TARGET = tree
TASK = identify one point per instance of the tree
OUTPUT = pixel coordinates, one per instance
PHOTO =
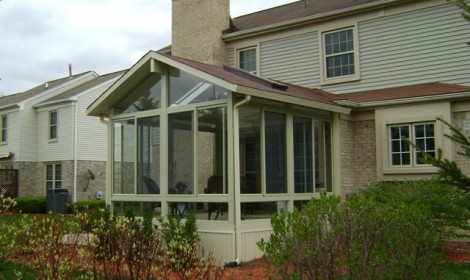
(464, 6)
(449, 171)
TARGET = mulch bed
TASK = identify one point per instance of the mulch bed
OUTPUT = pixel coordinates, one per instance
(456, 252)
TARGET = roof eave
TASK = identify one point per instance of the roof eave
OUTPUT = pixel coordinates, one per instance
(402, 101)
(294, 100)
(307, 20)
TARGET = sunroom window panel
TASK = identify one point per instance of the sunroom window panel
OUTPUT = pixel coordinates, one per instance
(303, 170)
(275, 150)
(250, 150)
(124, 156)
(322, 156)
(146, 96)
(148, 155)
(188, 89)
(212, 151)
(181, 153)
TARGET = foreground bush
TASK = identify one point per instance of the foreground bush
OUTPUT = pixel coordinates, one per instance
(391, 231)
(30, 204)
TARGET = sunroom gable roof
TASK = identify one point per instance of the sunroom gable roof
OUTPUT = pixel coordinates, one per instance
(232, 79)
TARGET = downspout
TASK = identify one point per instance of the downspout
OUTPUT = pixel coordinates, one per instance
(236, 156)
(75, 148)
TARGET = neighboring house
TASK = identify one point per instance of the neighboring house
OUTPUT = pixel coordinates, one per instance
(327, 92)
(47, 136)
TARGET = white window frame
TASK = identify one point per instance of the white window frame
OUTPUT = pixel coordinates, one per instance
(4, 140)
(51, 126)
(324, 80)
(413, 161)
(54, 179)
(255, 48)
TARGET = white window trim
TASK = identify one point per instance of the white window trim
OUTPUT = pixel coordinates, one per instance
(53, 175)
(3, 128)
(49, 125)
(237, 58)
(323, 77)
(413, 160)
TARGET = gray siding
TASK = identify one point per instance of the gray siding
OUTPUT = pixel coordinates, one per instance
(291, 59)
(59, 150)
(230, 57)
(427, 45)
(92, 133)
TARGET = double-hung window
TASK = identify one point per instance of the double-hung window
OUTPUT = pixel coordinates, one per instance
(53, 125)
(402, 153)
(53, 175)
(247, 60)
(4, 129)
(339, 55)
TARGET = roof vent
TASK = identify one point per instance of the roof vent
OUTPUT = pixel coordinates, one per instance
(46, 86)
(306, 4)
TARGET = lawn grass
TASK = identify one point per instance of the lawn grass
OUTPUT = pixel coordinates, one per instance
(9, 269)
(455, 271)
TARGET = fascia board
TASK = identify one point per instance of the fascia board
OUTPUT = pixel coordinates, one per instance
(293, 100)
(166, 60)
(420, 99)
(10, 106)
(306, 20)
(98, 102)
(55, 102)
(58, 87)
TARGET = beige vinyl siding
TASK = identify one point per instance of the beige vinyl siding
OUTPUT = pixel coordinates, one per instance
(27, 138)
(13, 134)
(91, 132)
(62, 149)
(427, 45)
(291, 59)
(230, 57)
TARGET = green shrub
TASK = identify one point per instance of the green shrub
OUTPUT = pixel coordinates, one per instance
(94, 210)
(30, 204)
(390, 231)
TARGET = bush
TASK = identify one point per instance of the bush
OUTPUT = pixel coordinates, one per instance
(30, 204)
(93, 208)
(391, 231)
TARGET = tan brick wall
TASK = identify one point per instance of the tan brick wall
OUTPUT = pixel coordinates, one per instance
(462, 121)
(197, 27)
(358, 155)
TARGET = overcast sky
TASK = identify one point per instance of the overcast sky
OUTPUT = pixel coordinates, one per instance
(39, 38)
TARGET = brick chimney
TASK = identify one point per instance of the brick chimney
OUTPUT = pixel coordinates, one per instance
(197, 27)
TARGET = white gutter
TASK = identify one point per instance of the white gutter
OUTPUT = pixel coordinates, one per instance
(306, 20)
(236, 156)
(419, 99)
(75, 150)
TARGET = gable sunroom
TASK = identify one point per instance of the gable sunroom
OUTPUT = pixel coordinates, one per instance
(230, 147)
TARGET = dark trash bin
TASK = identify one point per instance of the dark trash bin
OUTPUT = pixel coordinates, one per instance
(56, 200)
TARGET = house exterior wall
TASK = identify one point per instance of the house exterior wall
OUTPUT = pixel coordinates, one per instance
(13, 134)
(91, 132)
(461, 119)
(62, 148)
(418, 43)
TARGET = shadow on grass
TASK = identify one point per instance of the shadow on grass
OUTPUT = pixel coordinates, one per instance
(455, 271)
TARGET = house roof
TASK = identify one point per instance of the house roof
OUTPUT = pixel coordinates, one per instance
(13, 99)
(242, 78)
(411, 93)
(292, 11)
(67, 95)
(233, 79)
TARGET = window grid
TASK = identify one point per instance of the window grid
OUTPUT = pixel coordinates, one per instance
(4, 129)
(53, 176)
(402, 153)
(339, 53)
(247, 60)
(53, 125)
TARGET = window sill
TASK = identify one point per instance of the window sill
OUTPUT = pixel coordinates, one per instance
(53, 140)
(410, 170)
(338, 80)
